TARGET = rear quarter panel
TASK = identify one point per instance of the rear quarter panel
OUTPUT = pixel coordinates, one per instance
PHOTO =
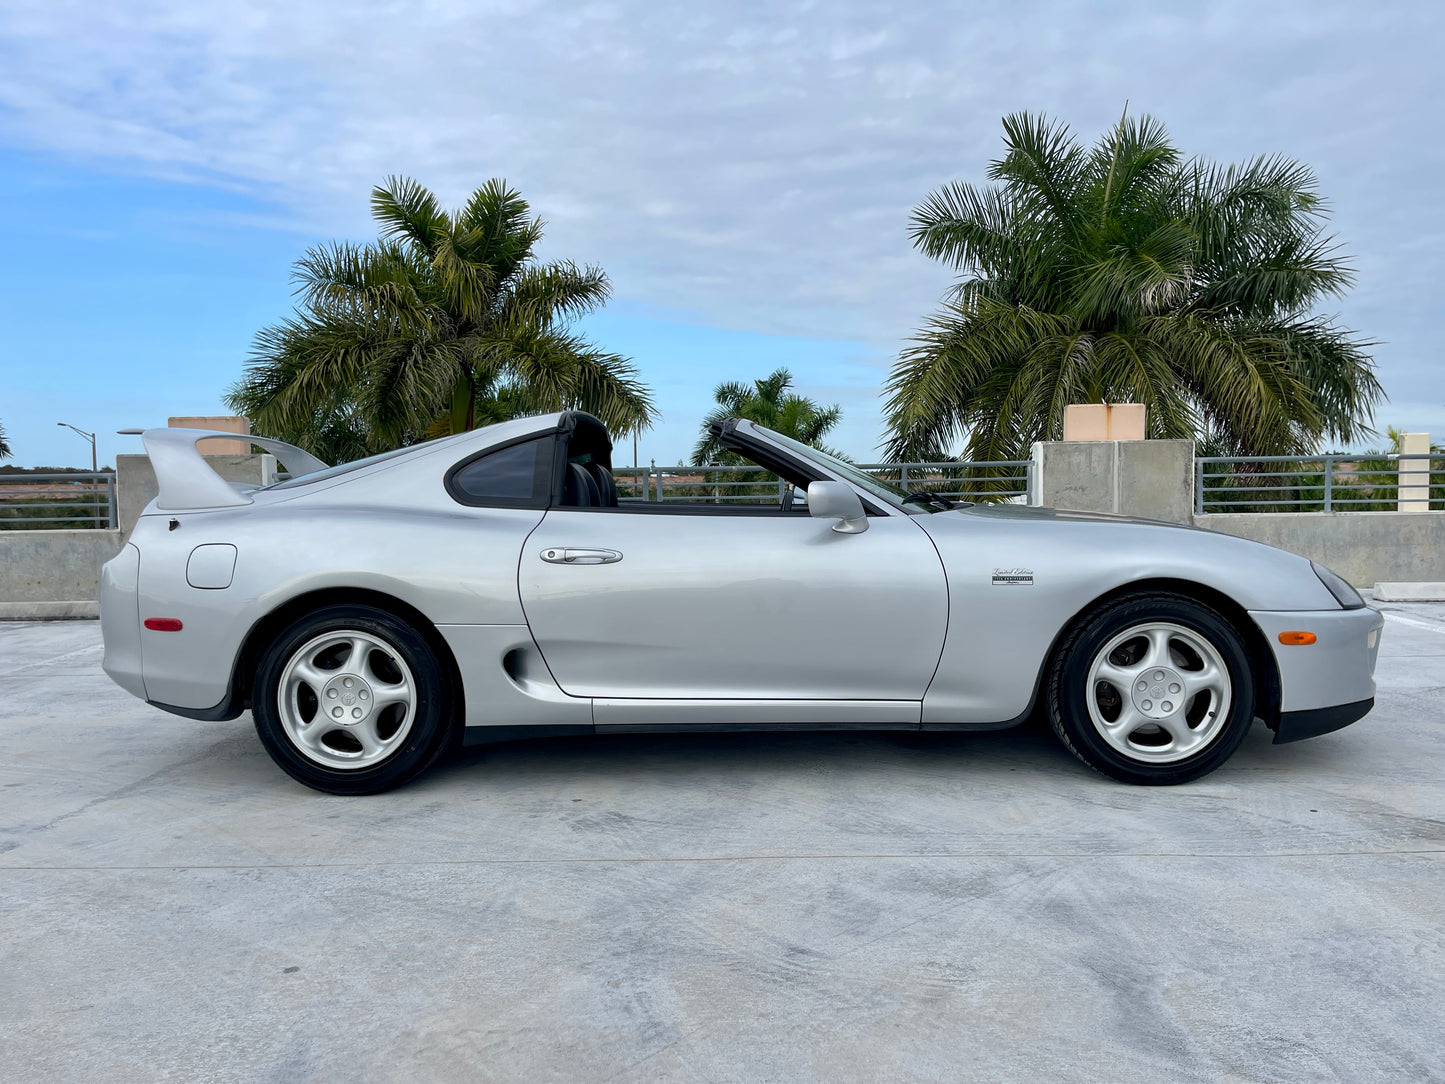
(455, 565)
(120, 620)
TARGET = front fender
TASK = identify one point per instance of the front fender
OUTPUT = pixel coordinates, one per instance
(1018, 576)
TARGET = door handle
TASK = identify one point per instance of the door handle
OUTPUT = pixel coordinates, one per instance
(559, 555)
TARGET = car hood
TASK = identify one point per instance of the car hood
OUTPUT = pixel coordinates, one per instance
(1031, 514)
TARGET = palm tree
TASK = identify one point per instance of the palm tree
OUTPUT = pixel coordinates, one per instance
(767, 402)
(447, 322)
(5, 452)
(1127, 273)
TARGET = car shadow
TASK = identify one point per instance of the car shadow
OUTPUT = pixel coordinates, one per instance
(1027, 751)
(1030, 747)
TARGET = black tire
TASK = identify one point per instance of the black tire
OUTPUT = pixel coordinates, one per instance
(1069, 688)
(432, 722)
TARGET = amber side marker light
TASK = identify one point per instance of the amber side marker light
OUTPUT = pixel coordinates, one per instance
(1297, 639)
(163, 624)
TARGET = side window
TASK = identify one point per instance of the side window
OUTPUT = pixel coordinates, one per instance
(513, 477)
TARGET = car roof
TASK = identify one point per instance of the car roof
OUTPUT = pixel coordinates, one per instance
(405, 468)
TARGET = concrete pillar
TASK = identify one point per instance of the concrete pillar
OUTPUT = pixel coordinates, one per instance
(1151, 479)
(1078, 474)
(1414, 492)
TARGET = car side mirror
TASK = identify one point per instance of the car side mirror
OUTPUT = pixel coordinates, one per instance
(836, 500)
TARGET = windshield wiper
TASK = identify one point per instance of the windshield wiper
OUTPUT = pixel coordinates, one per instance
(922, 496)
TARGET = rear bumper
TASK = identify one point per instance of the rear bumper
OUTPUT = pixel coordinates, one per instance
(120, 620)
(228, 708)
(1298, 725)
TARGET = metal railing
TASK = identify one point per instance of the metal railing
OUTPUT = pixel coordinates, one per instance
(968, 480)
(41, 501)
(711, 485)
(1006, 480)
(1338, 482)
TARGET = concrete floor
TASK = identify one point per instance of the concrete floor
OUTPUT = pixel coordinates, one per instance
(706, 907)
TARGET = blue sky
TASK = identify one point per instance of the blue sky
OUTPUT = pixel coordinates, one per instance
(743, 171)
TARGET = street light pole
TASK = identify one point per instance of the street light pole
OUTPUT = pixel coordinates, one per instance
(88, 436)
(94, 464)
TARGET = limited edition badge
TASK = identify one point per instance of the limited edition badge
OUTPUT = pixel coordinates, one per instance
(1013, 577)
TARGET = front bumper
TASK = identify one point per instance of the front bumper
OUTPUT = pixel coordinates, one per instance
(1327, 684)
(1298, 725)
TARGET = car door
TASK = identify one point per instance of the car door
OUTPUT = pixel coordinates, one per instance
(733, 604)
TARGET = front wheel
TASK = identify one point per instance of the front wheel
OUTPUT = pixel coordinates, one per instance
(352, 700)
(1152, 689)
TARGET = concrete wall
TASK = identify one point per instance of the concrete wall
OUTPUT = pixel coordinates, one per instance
(48, 574)
(1152, 479)
(1364, 547)
(53, 573)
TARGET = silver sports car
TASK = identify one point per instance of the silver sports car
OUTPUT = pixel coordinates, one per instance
(491, 586)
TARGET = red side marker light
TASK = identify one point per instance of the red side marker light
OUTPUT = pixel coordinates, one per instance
(1297, 639)
(163, 624)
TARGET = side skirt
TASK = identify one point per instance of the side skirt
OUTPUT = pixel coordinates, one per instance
(487, 735)
(640, 715)
(729, 728)
(1007, 724)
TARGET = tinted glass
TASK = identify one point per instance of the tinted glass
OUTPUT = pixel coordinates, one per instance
(876, 486)
(340, 468)
(508, 474)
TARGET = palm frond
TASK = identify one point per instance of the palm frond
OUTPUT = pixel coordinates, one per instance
(1129, 273)
(409, 212)
(542, 294)
(447, 322)
(1043, 167)
(769, 403)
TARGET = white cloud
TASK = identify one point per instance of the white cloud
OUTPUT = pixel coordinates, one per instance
(753, 163)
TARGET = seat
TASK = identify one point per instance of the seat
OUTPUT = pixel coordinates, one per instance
(606, 486)
(579, 489)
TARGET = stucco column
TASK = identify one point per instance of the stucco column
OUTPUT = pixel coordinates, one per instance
(1414, 492)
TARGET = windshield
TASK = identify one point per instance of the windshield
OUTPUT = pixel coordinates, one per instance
(898, 498)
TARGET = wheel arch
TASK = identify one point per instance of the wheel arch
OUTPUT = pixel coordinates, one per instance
(1263, 665)
(268, 627)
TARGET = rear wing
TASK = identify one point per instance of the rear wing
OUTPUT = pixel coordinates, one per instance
(186, 480)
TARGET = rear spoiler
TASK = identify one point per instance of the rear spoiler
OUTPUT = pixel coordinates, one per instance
(186, 480)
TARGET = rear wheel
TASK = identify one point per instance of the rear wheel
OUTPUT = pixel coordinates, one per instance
(352, 700)
(1152, 689)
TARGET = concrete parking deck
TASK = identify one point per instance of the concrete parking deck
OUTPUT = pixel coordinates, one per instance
(709, 907)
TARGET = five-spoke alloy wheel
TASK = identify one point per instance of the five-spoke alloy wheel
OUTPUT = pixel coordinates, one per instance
(347, 699)
(352, 700)
(1153, 689)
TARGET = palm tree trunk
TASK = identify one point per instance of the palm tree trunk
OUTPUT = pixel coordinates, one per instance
(464, 404)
